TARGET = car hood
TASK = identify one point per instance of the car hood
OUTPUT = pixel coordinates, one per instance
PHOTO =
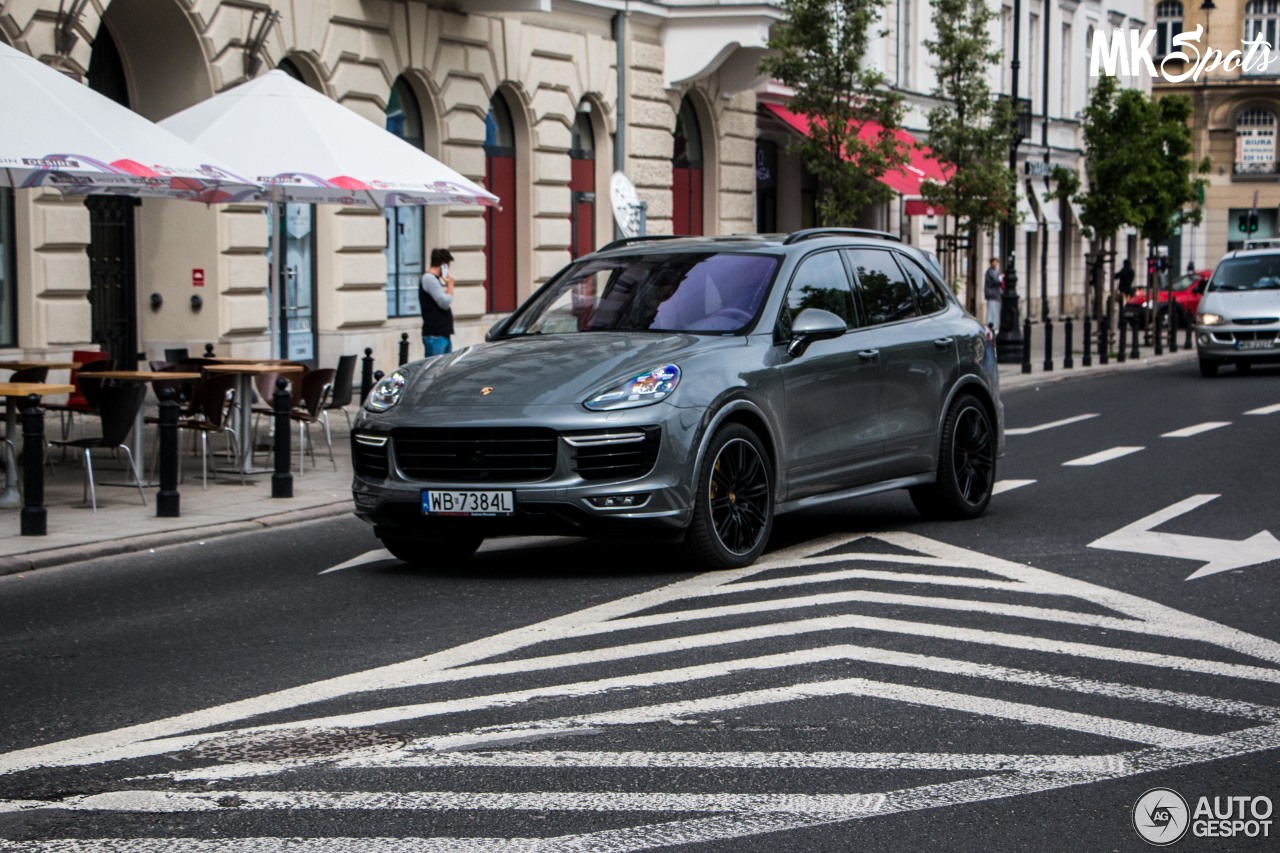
(1248, 303)
(547, 370)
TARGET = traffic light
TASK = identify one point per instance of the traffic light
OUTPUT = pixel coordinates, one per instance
(1248, 222)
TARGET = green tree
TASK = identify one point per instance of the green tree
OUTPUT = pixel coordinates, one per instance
(1138, 164)
(819, 51)
(969, 130)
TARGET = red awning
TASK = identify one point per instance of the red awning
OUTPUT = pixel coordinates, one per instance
(920, 207)
(920, 167)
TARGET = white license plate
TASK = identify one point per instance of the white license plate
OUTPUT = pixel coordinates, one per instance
(450, 502)
(1256, 344)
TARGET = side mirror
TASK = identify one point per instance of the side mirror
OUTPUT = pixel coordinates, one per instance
(813, 324)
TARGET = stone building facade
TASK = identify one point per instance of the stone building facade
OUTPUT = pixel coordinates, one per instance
(525, 93)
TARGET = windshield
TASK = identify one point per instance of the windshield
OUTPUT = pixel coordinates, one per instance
(710, 293)
(1261, 273)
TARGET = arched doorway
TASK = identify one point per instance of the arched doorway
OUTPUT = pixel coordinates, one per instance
(686, 172)
(500, 222)
(404, 224)
(112, 234)
(582, 184)
(297, 312)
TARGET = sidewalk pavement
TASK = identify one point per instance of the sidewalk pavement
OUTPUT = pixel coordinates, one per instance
(122, 525)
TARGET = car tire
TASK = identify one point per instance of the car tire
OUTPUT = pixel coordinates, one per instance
(1208, 368)
(733, 501)
(431, 552)
(966, 465)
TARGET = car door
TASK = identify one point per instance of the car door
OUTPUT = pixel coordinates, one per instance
(917, 356)
(831, 415)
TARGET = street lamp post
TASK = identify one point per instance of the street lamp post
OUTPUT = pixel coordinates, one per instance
(1009, 343)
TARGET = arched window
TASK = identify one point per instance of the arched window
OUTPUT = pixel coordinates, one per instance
(404, 224)
(686, 172)
(1255, 142)
(1262, 18)
(582, 183)
(500, 223)
(1168, 25)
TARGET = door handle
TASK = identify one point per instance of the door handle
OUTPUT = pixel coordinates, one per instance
(943, 343)
(869, 354)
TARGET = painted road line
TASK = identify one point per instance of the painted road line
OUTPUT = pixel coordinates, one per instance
(875, 575)
(1050, 425)
(1003, 486)
(1187, 432)
(1104, 456)
(1265, 410)
(363, 560)
(462, 662)
(771, 761)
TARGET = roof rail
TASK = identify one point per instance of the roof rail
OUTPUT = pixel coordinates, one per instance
(809, 233)
(627, 241)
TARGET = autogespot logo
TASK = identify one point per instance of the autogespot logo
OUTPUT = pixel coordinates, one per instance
(1160, 816)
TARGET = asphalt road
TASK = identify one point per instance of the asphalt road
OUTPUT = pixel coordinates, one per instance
(875, 683)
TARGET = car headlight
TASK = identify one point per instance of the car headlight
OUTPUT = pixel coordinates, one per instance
(386, 392)
(1207, 319)
(649, 387)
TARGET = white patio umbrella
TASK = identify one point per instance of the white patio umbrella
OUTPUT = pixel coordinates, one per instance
(305, 148)
(58, 133)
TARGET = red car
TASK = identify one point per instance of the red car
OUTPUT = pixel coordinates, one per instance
(1187, 290)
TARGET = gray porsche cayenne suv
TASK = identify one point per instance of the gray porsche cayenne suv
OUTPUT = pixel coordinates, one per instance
(688, 390)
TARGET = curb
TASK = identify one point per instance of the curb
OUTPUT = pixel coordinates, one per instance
(1014, 381)
(145, 542)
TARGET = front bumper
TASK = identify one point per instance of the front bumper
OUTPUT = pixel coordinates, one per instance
(556, 499)
(1238, 342)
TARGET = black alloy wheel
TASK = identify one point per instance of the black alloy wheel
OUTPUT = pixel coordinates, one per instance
(966, 465)
(733, 512)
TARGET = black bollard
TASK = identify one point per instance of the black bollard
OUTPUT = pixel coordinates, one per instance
(208, 351)
(281, 479)
(34, 521)
(1159, 333)
(1173, 330)
(168, 501)
(1104, 343)
(1134, 354)
(1087, 360)
(404, 349)
(1026, 348)
(1069, 335)
(366, 374)
(1048, 344)
(1124, 350)
(1186, 341)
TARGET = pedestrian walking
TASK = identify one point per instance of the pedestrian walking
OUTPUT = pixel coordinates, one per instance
(993, 293)
(436, 297)
(1124, 279)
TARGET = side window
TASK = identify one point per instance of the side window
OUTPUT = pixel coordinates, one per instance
(886, 295)
(927, 295)
(820, 282)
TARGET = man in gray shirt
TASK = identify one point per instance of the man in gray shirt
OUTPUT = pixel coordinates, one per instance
(437, 301)
(993, 292)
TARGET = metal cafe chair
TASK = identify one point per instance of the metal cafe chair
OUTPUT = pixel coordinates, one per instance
(306, 408)
(27, 374)
(343, 390)
(212, 399)
(118, 405)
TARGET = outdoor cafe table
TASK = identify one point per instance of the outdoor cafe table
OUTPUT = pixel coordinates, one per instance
(139, 423)
(244, 373)
(15, 393)
(52, 365)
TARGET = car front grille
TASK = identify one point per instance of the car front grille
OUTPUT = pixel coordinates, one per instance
(1233, 337)
(475, 454)
(614, 454)
(1256, 321)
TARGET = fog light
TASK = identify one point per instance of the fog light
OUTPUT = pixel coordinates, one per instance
(1204, 339)
(366, 500)
(619, 501)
